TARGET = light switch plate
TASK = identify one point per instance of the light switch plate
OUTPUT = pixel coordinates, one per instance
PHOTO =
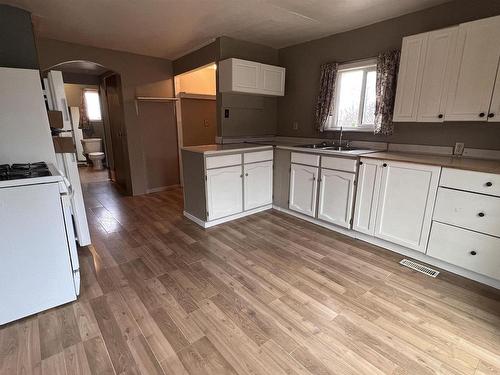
(459, 148)
(295, 125)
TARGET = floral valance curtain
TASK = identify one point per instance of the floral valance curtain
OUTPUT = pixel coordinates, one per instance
(387, 77)
(324, 104)
(84, 120)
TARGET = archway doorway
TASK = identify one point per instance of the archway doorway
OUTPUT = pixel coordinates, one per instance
(94, 97)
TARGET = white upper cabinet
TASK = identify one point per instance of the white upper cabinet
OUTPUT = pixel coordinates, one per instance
(258, 184)
(336, 193)
(435, 76)
(365, 214)
(224, 192)
(411, 69)
(474, 71)
(405, 203)
(423, 76)
(250, 77)
(303, 189)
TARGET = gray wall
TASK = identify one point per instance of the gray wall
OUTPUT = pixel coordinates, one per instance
(248, 114)
(17, 43)
(302, 63)
(140, 76)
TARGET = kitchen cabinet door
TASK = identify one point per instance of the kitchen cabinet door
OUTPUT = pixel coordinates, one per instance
(368, 188)
(303, 189)
(409, 84)
(336, 193)
(435, 78)
(474, 70)
(494, 114)
(272, 79)
(258, 184)
(236, 75)
(406, 201)
(224, 192)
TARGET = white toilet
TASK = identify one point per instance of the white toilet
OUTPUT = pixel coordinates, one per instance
(92, 147)
(96, 158)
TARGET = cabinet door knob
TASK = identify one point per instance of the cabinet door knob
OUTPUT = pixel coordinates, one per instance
(440, 115)
(241, 176)
(489, 183)
(246, 174)
(314, 178)
(384, 165)
(490, 115)
(360, 163)
(481, 214)
(473, 252)
(482, 114)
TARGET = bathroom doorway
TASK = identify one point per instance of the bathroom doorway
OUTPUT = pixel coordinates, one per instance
(94, 100)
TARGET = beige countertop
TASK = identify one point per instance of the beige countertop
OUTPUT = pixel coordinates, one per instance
(479, 165)
(226, 148)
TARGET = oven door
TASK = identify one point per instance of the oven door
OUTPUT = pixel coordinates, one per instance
(70, 236)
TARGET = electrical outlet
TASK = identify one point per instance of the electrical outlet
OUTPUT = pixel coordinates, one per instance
(206, 124)
(226, 113)
(459, 148)
(295, 125)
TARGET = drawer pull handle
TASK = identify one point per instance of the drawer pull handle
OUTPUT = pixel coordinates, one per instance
(473, 252)
(489, 184)
(384, 165)
(482, 114)
(481, 214)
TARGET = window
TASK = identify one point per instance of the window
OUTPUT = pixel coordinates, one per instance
(93, 106)
(355, 96)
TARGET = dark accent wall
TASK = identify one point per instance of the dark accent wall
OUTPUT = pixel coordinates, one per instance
(17, 43)
(302, 63)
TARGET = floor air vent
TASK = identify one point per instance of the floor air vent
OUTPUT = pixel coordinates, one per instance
(419, 267)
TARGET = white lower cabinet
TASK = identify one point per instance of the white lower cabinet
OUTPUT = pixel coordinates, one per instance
(406, 200)
(303, 189)
(394, 201)
(336, 193)
(365, 213)
(224, 192)
(467, 249)
(258, 183)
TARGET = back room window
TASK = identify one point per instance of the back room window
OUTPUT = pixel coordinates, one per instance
(93, 105)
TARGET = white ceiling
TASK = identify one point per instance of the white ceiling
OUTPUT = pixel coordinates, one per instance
(170, 28)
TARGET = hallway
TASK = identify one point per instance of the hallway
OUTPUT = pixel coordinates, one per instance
(268, 294)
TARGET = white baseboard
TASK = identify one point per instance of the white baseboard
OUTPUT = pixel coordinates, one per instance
(162, 188)
(398, 249)
(211, 223)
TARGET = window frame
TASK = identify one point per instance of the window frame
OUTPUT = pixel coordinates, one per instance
(85, 91)
(368, 65)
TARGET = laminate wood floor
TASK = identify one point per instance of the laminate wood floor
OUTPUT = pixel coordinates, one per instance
(267, 294)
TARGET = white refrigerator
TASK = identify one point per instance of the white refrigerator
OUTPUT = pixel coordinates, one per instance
(68, 163)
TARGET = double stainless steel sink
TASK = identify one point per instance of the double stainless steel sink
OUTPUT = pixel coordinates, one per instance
(331, 146)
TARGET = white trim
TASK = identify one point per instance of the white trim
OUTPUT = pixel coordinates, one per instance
(398, 249)
(187, 95)
(420, 149)
(481, 154)
(344, 231)
(162, 188)
(208, 224)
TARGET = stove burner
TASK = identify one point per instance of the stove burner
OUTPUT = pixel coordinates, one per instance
(24, 170)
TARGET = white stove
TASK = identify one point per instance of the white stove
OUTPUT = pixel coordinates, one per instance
(39, 266)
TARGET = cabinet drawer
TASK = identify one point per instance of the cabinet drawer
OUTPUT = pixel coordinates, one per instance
(468, 210)
(478, 182)
(340, 164)
(223, 161)
(307, 159)
(254, 157)
(470, 250)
